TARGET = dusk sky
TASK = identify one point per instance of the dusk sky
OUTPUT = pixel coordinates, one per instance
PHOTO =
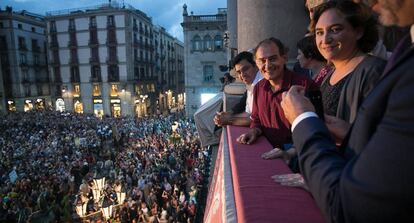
(167, 13)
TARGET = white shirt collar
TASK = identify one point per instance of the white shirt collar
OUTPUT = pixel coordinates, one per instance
(257, 78)
(412, 33)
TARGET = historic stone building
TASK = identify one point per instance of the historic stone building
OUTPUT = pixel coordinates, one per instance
(204, 52)
(24, 77)
(106, 60)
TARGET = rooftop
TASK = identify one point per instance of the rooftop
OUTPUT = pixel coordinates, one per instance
(107, 6)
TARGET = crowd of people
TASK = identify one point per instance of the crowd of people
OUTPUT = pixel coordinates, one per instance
(48, 161)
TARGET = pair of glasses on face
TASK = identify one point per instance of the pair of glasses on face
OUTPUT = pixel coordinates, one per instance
(262, 61)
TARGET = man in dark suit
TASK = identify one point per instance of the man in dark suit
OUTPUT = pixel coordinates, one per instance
(376, 184)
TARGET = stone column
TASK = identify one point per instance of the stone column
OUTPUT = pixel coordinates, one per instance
(257, 20)
(232, 23)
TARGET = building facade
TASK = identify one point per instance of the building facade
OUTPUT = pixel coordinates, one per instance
(204, 52)
(103, 60)
(25, 81)
(169, 65)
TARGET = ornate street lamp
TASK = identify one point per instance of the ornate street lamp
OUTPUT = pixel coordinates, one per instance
(81, 208)
(174, 135)
(121, 197)
(99, 185)
(107, 212)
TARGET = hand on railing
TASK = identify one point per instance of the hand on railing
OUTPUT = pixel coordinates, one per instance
(273, 154)
(291, 180)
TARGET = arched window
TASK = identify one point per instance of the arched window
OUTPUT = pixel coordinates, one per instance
(208, 43)
(218, 42)
(197, 43)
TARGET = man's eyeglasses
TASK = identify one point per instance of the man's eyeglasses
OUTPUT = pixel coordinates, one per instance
(260, 62)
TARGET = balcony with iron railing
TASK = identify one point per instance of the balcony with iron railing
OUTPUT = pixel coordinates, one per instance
(111, 42)
(75, 78)
(92, 26)
(36, 49)
(96, 79)
(72, 44)
(93, 42)
(22, 47)
(42, 79)
(74, 61)
(54, 45)
(112, 60)
(114, 77)
(54, 62)
(205, 18)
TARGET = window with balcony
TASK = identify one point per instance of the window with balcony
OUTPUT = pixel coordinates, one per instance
(74, 74)
(93, 37)
(57, 76)
(96, 73)
(218, 42)
(35, 45)
(73, 56)
(22, 43)
(53, 26)
(27, 91)
(113, 73)
(137, 89)
(135, 54)
(197, 44)
(136, 73)
(39, 89)
(208, 73)
(92, 22)
(36, 59)
(71, 25)
(94, 55)
(208, 43)
(23, 58)
(110, 20)
(3, 43)
(25, 76)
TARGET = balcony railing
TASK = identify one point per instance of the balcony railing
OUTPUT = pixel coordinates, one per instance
(96, 79)
(112, 60)
(94, 60)
(23, 47)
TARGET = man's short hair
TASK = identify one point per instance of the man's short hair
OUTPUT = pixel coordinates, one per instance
(282, 49)
(243, 56)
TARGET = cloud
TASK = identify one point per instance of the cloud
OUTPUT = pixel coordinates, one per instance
(177, 31)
